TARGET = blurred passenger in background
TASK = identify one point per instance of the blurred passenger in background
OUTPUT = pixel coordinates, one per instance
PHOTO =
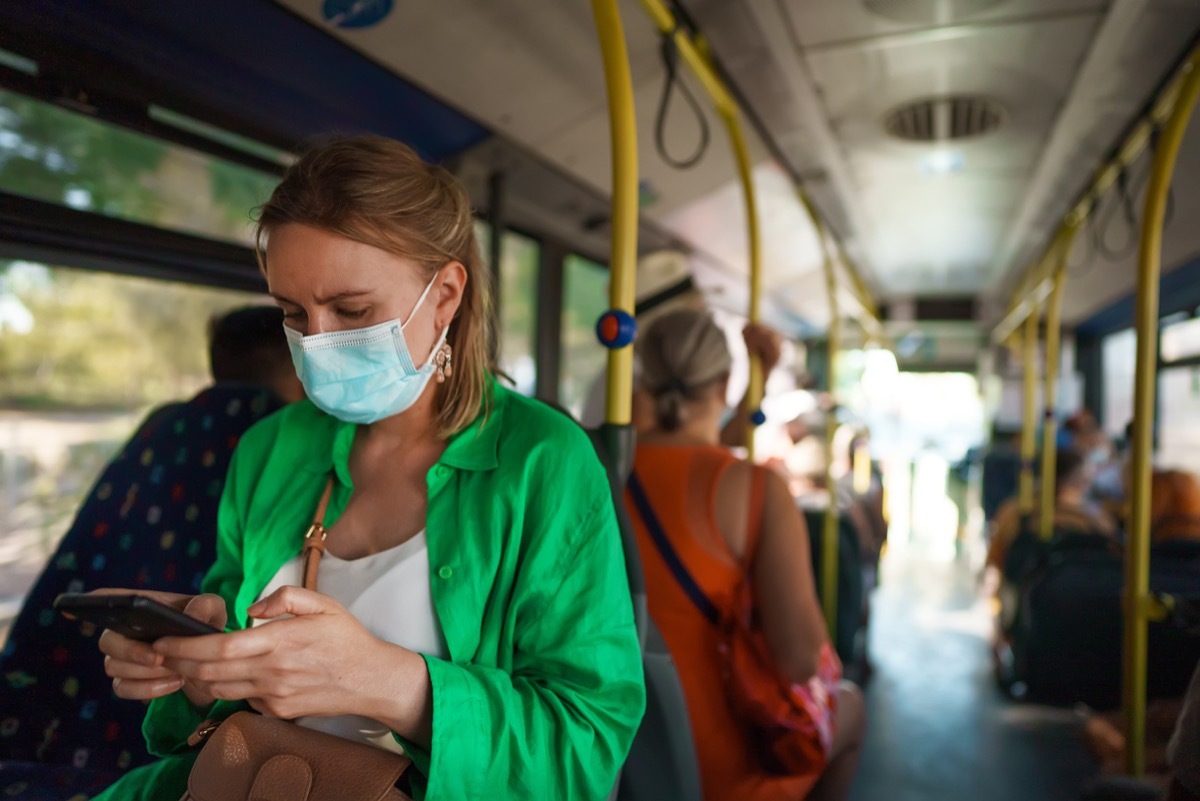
(1074, 511)
(1174, 507)
(149, 521)
(726, 521)
(1001, 473)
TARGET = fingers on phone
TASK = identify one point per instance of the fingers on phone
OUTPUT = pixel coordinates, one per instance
(208, 608)
(146, 689)
(119, 669)
(126, 650)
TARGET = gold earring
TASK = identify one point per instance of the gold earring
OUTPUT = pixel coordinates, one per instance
(443, 361)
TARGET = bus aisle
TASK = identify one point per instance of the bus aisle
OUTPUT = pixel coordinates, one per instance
(938, 726)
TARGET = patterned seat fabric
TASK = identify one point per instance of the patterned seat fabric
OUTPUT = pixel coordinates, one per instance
(149, 522)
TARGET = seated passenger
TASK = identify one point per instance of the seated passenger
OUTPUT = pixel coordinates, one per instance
(1073, 511)
(664, 284)
(1001, 469)
(1174, 507)
(474, 608)
(729, 520)
(149, 521)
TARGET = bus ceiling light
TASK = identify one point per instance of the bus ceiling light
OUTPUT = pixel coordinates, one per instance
(942, 162)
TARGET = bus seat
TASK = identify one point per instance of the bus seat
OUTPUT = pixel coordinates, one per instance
(850, 587)
(662, 760)
(1028, 556)
(149, 522)
(1067, 642)
(1068, 630)
(662, 763)
(1176, 552)
(1029, 552)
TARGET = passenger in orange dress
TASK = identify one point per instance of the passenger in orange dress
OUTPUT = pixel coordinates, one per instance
(725, 518)
(1174, 506)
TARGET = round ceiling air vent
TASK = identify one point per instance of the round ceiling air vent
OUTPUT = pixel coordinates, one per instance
(944, 118)
(930, 12)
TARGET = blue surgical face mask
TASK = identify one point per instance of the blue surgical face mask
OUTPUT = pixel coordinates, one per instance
(365, 374)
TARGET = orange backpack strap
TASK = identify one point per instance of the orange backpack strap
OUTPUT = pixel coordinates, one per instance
(756, 512)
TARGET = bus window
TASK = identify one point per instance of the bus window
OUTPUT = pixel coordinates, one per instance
(83, 357)
(585, 298)
(1181, 340)
(1179, 407)
(518, 291)
(1119, 354)
(59, 156)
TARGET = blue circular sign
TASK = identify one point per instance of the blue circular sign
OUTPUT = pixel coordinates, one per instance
(355, 13)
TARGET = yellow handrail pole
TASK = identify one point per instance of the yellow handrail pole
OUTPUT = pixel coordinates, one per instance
(1137, 558)
(664, 20)
(623, 130)
(741, 154)
(1050, 388)
(727, 110)
(1029, 420)
(829, 540)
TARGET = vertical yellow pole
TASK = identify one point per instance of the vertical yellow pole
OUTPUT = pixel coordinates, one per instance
(829, 542)
(861, 467)
(1137, 553)
(1029, 425)
(741, 155)
(623, 130)
(1065, 239)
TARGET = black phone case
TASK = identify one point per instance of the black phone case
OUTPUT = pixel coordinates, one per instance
(134, 616)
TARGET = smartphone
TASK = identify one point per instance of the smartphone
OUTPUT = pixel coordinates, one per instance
(135, 616)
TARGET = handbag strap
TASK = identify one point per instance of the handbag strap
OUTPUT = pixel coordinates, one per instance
(668, 553)
(314, 539)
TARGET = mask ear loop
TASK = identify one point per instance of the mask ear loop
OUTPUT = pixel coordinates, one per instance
(441, 340)
(420, 300)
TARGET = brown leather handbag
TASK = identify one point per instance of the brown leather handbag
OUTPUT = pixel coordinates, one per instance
(250, 757)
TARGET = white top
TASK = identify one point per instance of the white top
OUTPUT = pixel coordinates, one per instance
(388, 593)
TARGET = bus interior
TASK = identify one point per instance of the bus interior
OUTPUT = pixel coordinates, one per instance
(971, 221)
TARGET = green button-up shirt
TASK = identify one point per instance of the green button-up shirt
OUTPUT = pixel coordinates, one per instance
(543, 690)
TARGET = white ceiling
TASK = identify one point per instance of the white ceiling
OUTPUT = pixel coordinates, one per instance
(1071, 75)
(820, 75)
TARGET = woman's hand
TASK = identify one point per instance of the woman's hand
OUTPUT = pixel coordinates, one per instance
(320, 662)
(765, 343)
(138, 673)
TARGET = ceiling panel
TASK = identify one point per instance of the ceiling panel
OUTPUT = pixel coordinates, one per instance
(523, 67)
(937, 233)
(851, 23)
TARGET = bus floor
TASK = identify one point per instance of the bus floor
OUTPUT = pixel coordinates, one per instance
(938, 727)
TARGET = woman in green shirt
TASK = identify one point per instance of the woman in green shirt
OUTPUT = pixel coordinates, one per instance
(539, 690)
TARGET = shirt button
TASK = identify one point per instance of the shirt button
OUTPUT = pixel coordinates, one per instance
(442, 470)
(445, 572)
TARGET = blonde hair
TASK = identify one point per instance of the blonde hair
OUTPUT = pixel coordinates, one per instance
(379, 192)
(683, 354)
